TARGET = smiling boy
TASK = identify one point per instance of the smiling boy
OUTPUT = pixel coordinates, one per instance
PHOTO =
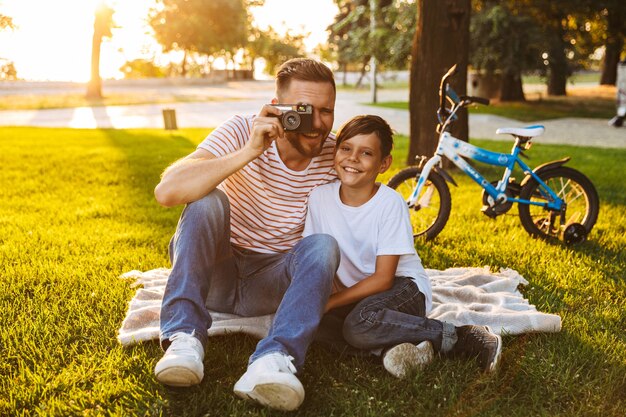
(381, 291)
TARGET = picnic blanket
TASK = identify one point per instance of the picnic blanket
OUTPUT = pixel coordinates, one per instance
(460, 296)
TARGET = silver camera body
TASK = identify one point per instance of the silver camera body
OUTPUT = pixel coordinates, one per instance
(297, 118)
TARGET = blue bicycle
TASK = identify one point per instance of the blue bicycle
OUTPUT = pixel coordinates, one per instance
(554, 201)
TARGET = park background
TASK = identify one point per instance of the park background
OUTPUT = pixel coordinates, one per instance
(76, 205)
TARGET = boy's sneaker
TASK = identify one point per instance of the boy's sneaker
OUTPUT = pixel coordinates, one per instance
(481, 343)
(270, 381)
(404, 358)
(181, 366)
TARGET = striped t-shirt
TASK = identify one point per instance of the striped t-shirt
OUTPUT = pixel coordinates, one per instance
(267, 199)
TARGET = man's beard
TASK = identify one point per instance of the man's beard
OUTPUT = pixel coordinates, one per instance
(307, 152)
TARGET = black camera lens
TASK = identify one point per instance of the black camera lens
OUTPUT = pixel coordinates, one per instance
(291, 120)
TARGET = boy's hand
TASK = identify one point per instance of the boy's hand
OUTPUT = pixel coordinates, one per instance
(266, 128)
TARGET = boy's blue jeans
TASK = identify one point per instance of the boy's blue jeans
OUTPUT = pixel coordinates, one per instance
(207, 272)
(383, 320)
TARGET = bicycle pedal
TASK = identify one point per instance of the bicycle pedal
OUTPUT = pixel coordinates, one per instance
(489, 212)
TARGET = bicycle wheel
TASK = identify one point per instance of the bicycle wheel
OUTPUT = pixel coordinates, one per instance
(430, 214)
(578, 192)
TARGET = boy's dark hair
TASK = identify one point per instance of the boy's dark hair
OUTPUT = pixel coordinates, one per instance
(364, 125)
(303, 69)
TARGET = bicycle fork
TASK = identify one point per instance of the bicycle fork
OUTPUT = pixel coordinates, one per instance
(424, 200)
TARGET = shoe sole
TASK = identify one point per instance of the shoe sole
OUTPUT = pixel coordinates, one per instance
(403, 358)
(496, 360)
(279, 395)
(178, 376)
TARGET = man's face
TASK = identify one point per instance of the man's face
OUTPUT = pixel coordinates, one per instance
(321, 96)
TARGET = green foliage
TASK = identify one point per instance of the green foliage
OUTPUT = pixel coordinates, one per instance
(7, 70)
(210, 27)
(6, 22)
(142, 68)
(353, 42)
(503, 40)
(274, 48)
(77, 210)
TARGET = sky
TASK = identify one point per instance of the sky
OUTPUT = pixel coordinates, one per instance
(52, 39)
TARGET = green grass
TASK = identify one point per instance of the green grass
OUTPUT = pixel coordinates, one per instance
(533, 110)
(66, 100)
(76, 211)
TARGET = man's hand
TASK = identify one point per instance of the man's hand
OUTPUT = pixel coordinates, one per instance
(266, 128)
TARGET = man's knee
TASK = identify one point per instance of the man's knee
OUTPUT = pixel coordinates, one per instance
(324, 248)
(214, 204)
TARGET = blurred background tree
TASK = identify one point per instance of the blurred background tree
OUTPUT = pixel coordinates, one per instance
(351, 42)
(103, 23)
(504, 43)
(274, 48)
(142, 68)
(7, 68)
(206, 27)
(611, 15)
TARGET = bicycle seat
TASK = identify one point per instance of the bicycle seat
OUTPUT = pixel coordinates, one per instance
(524, 132)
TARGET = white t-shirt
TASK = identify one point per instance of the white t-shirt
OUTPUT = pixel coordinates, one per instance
(379, 227)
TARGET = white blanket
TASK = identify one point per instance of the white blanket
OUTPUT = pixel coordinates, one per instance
(460, 296)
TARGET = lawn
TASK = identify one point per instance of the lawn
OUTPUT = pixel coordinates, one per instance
(76, 211)
(65, 100)
(597, 102)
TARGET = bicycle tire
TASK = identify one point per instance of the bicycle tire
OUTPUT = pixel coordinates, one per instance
(574, 187)
(426, 223)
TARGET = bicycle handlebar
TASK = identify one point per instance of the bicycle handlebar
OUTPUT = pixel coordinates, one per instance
(446, 91)
(443, 86)
(474, 99)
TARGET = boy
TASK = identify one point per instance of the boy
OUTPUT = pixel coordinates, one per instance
(381, 291)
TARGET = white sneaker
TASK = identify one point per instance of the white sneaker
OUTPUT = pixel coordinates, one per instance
(181, 366)
(401, 359)
(270, 381)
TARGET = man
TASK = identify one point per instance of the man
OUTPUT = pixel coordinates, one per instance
(238, 247)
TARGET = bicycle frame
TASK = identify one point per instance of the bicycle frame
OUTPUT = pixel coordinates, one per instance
(455, 150)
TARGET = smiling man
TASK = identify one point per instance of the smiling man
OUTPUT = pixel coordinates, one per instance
(238, 245)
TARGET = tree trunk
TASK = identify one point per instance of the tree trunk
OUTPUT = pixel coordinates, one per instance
(441, 40)
(183, 65)
(557, 65)
(614, 45)
(511, 88)
(94, 86)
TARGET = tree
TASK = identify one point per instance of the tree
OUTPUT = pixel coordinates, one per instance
(441, 40)
(7, 68)
(504, 41)
(353, 43)
(274, 48)
(612, 15)
(142, 68)
(6, 22)
(209, 27)
(103, 23)
(566, 29)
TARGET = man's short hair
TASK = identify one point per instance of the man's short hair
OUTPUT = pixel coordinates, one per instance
(364, 125)
(303, 69)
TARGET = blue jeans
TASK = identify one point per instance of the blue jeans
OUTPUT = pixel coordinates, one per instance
(209, 273)
(385, 319)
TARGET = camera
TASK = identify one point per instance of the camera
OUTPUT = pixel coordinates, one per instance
(296, 118)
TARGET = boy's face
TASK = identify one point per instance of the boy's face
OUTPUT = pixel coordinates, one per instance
(359, 160)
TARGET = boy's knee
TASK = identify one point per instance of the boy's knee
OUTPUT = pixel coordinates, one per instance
(357, 328)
